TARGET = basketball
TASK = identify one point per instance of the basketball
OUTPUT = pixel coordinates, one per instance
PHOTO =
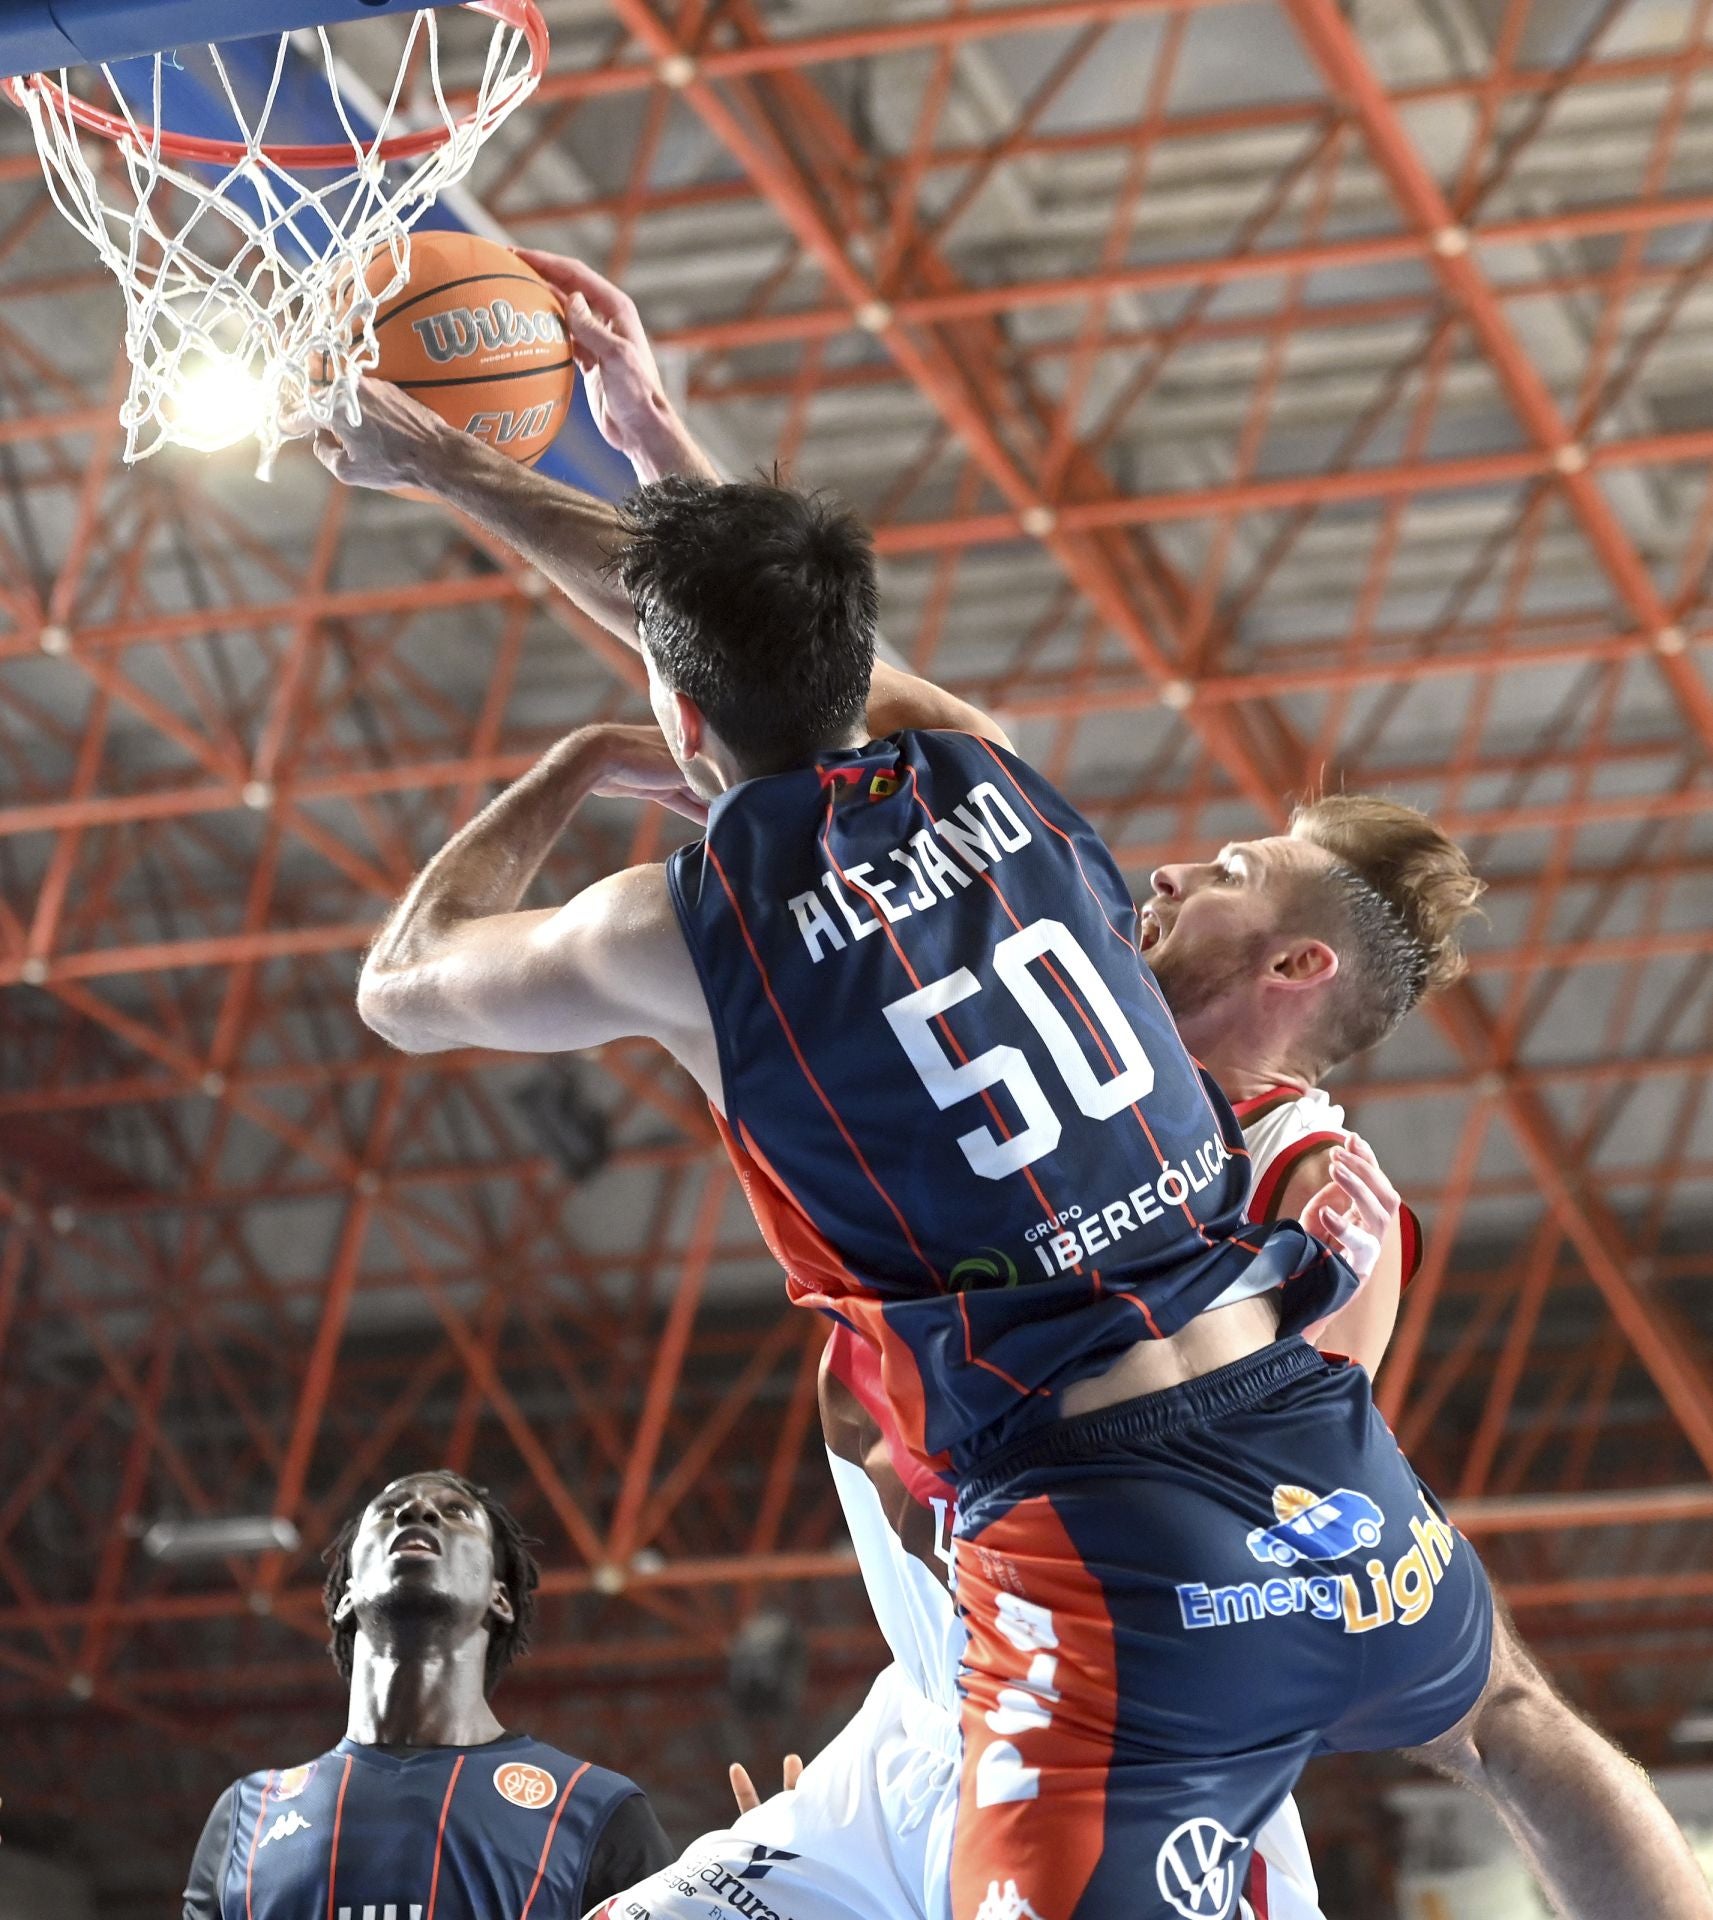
(480, 338)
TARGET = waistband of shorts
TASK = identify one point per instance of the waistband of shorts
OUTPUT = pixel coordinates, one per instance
(1150, 1416)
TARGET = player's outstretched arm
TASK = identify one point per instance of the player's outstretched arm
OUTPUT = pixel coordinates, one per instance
(628, 399)
(566, 535)
(458, 964)
(621, 377)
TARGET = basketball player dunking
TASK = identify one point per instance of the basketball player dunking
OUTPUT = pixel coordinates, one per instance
(1132, 1427)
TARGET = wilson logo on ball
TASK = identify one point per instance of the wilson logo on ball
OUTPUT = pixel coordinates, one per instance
(461, 331)
(524, 1785)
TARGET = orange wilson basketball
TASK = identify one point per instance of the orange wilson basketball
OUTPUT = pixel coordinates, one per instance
(479, 337)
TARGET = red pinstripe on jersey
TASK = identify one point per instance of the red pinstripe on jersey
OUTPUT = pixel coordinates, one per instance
(808, 1073)
(915, 979)
(440, 1835)
(547, 1844)
(1082, 873)
(815, 1276)
(255, 1841)
(338, 1821)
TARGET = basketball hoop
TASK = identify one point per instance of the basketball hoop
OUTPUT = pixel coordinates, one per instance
(242, 260)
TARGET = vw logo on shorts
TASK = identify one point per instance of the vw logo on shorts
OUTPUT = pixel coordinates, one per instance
(1197, 1869)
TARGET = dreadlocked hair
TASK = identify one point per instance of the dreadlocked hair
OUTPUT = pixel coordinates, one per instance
(1392, 904)
(514, 1567)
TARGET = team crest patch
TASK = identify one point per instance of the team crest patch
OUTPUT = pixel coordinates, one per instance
(524, 1785)
(290, 1783)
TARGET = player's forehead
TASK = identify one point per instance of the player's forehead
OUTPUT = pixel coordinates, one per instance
(434, 1485)
(1275, 856)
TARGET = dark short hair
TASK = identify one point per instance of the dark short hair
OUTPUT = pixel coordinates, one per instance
(1391, 905)
(514, 1567)
(760, 604)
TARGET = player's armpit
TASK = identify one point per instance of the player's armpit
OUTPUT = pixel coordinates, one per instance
(897, 700)
(608, 965)
(1362, 1327)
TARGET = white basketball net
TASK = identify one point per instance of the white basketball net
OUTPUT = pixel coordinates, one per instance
(238, 278)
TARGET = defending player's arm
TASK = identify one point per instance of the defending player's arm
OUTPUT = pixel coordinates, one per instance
(1335, 1181)
(458, 964)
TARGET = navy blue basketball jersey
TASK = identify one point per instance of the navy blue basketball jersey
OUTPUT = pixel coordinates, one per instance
(959, 1105)
(497, 1832)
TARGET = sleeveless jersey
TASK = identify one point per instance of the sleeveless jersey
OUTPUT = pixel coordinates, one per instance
(496, 1832)
(959, 1106)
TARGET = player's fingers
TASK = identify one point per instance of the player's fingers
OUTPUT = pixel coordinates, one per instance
(1371, 1160)
(569, 274)
(1364, 1191)
(793, 1771)
(589, 331)
(578, 279)
(743, 1788)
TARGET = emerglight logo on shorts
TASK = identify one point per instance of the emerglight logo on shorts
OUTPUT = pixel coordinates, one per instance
(1321, 1529)
(1313, 1529)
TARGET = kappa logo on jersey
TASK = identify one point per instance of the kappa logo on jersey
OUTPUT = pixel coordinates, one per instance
(1322, 1530)
(524, 1785)
(283, 1828)
(1004, 1903)
(293, 1781)
(1196, 1869)
(762, 1861)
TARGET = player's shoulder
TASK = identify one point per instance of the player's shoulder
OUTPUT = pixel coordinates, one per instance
(1289, 1132)
(290, 1780)
(584, 1777)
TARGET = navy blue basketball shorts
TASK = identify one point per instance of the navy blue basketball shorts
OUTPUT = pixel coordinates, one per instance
(1172, 1605)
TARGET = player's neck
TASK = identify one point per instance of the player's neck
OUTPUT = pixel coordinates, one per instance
(429, 1696)
(1246, 1065)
